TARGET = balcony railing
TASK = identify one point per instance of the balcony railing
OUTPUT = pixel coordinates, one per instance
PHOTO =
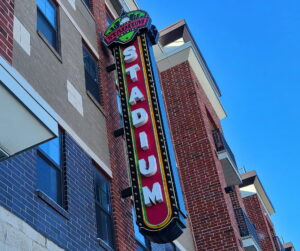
(221, 144)
(278, 244)
(225, 155)
(246, 227)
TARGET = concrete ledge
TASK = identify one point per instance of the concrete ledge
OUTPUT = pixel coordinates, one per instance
(52, 204)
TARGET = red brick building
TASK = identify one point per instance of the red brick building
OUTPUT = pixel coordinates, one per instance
(260, 208)
(221, 217)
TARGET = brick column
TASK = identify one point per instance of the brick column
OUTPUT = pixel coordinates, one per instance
(210, 210)
(6, 29)
(123, 227)
(256, 213)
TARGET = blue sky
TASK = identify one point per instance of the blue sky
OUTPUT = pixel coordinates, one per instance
(253, 50)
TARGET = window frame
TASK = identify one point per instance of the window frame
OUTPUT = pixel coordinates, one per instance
(119, 105)
(96, 97)
(88, 5)
(102, 209)
(57, 47)
(58, 167)
(109, 15)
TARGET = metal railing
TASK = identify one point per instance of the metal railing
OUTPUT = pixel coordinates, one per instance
(278, 245)
(221, 144)
(246, 227)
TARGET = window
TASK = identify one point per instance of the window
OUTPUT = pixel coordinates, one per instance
(103, 209)
(119, 109)
(47, 21)
(88, 4)
(143, 243)
(49, 169)
(91, 74)
(109, 19)
(166, 247)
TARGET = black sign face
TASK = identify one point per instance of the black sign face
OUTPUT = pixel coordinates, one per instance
(160, 215)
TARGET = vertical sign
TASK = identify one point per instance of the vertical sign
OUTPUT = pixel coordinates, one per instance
(159, 208)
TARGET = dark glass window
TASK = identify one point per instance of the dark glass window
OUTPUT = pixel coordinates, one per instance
(47, 21)
(91, 73)
(103, 209)
(88, 4)
(119, 109)
(109, 19)
(142, 242)
(166, 247)
(49, 169)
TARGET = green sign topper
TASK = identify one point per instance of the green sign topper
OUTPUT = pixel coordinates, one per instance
(124, 29)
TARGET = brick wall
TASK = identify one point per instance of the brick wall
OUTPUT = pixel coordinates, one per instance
(256, 213)
(236, 198)
(6, 29)
(76, 230)
(124, 235)
(212, 217)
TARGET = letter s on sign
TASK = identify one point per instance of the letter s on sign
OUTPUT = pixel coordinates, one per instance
(130, 54)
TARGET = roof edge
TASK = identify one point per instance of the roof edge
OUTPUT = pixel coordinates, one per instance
(182, 23)
(251, 178)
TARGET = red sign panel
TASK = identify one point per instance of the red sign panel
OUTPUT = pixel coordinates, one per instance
(151, 172)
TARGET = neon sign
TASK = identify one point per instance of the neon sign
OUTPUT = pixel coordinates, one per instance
(156, 194)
